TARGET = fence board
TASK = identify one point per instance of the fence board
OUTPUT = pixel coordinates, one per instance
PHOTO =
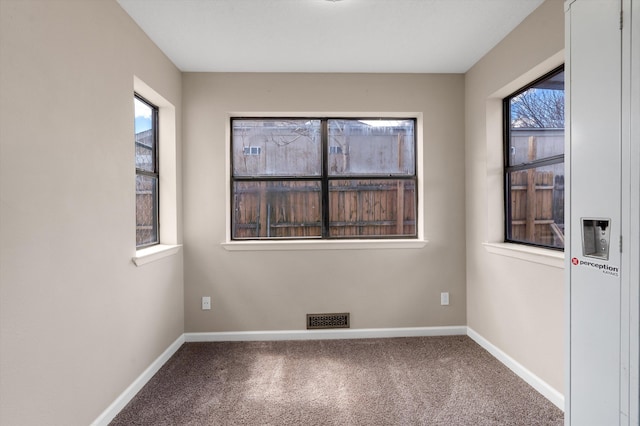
(543, 222)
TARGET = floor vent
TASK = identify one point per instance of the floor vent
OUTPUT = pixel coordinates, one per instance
(327, 321)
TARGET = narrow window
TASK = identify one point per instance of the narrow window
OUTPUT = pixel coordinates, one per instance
(323, 178)
(252, 150)
(534, 162)
(147, 178)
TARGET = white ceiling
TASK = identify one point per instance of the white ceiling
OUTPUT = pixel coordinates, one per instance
(406, 36)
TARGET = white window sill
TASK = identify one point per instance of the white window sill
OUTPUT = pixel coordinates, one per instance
(323, 245)
(154, 253)
(528, 253)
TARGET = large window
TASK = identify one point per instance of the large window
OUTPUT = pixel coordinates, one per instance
(323, 178)
(534, 162)
(146, 148)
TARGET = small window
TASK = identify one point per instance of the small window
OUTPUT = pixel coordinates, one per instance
(534, 163)
(147, 177)
(301, 188)
(252, 150)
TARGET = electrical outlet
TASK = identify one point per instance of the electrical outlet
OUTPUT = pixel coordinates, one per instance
(206, 303)
(444, 298)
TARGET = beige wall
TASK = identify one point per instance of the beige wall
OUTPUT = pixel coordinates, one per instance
(258, 290)
(79, 322)
(515, 304)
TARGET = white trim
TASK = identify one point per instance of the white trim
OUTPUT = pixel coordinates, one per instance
(495, 218)
(153, 253)
(420, 219)
(168, 163)
(364, 333)
(536, 382)
(121, 401)
(323, 245)
(540, 255)
(347, 333)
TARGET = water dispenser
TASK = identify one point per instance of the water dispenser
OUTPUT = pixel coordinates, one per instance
(595, 237)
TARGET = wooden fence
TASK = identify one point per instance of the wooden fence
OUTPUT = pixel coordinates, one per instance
(145, 208)
(537, 207)
(290, 209)
(537, 200)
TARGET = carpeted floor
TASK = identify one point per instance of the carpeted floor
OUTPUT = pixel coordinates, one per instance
(400, 381)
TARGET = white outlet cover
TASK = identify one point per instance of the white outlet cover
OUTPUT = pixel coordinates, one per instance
(206, 303)
(444, 298)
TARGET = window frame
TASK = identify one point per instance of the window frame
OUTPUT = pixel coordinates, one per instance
(324, 178)
(154, 174)
(533, 164)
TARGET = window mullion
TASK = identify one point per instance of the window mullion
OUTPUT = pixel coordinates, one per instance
(537, 163)
(324, 137)
(147, 173)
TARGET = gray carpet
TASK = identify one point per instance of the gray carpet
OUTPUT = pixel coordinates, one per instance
(400, 381)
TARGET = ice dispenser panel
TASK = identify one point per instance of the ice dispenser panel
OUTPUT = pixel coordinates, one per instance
(595, 237)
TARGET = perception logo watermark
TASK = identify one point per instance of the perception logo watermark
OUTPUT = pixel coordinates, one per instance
(606, 269)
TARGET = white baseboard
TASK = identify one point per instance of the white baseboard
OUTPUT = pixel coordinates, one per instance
(343, 333)
(541, 386)
(112, 411)
(536, 382)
